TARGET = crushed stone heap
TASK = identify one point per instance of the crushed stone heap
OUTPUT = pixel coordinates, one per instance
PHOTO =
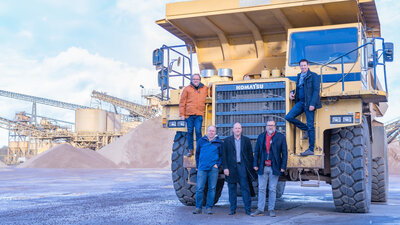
(147, 146)
(394, 157)
(66, 156)
(2, 165)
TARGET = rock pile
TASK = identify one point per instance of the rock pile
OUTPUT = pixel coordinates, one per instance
(66, 156)
(147, 146)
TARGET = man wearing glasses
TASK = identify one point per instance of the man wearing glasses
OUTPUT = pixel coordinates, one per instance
(192, 107)
(270, 160)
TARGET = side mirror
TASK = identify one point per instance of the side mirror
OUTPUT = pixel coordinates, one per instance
(388, 51)
(163, 79)
(158, 57)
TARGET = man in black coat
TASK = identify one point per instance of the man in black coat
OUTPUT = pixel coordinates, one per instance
(237, 162)
(270, 160)
(307, 100)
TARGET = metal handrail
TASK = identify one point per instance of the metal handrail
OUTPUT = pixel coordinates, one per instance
(177, 73)
(375, 62)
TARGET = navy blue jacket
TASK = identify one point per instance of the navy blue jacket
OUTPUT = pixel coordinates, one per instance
(278, 153)
(208, 153)
(246, 157)
(311, 90)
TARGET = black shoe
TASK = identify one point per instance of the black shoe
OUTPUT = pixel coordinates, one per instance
(232, 212)
(197, 211)
(307, 152)
(272, 213)
(209, 212)
(248, 213)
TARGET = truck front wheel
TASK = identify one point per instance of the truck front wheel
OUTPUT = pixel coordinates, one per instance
(185, 191)
(350, 158)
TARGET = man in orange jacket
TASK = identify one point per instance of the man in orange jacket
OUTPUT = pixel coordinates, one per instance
(192, 107)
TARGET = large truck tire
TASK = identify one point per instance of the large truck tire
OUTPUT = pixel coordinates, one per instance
(351, 168)
(186, 192)
(379, 180)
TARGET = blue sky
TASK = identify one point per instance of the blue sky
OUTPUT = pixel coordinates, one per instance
(65, 49)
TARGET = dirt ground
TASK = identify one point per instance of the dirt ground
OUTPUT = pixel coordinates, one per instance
(146, 196)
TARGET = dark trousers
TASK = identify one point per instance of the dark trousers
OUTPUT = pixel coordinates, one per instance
(298, 109)
(193, 123)
(244, 186)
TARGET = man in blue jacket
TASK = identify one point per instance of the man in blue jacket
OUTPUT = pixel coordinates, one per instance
(270, 160)
(208, 160)
(307, 100)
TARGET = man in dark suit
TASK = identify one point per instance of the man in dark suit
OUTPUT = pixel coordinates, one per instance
(307, 100)
(237, 163)
(270, 160)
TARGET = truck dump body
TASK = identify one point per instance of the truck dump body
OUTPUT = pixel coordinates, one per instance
(246, 37)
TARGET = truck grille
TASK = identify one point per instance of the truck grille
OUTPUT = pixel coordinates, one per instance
(251, 105)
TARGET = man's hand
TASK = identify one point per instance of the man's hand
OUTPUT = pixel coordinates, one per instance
(215, 166)
(255, 168)
(282, 170)
(182, 117)
(291, 96)
(226, 172)
(311, 108)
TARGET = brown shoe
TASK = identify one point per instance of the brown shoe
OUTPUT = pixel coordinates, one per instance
(197, 211)
(190, 153)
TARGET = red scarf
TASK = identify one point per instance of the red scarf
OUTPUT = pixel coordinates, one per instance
(268, 139)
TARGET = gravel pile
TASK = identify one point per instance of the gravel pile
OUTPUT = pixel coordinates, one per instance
(66, 156)
(147, 146)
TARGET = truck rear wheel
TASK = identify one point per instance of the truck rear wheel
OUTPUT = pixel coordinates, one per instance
(351, 168)
(186, 192)
(379, 180)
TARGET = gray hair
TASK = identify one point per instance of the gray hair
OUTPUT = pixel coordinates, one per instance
(236, 123)
(195, 74)
(211, 126)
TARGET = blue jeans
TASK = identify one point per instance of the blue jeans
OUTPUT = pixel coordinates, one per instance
(245, 188)
(298, 109)
(194, 123)
(263, 180)
(202, 177)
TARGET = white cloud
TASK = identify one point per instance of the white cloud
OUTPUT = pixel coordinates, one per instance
(146, 13)
(25, 33)
(70, 76)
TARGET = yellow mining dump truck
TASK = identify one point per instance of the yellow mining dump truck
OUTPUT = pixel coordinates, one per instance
(266, 39)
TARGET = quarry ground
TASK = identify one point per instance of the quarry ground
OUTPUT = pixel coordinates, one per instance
(146, 196)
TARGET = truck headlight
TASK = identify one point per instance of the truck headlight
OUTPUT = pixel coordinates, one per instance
(347, 119)
(180, 123)
(336, 119)
(172, 123)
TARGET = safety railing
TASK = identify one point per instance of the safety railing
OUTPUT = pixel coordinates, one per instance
(378, 59)
(165, 66)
